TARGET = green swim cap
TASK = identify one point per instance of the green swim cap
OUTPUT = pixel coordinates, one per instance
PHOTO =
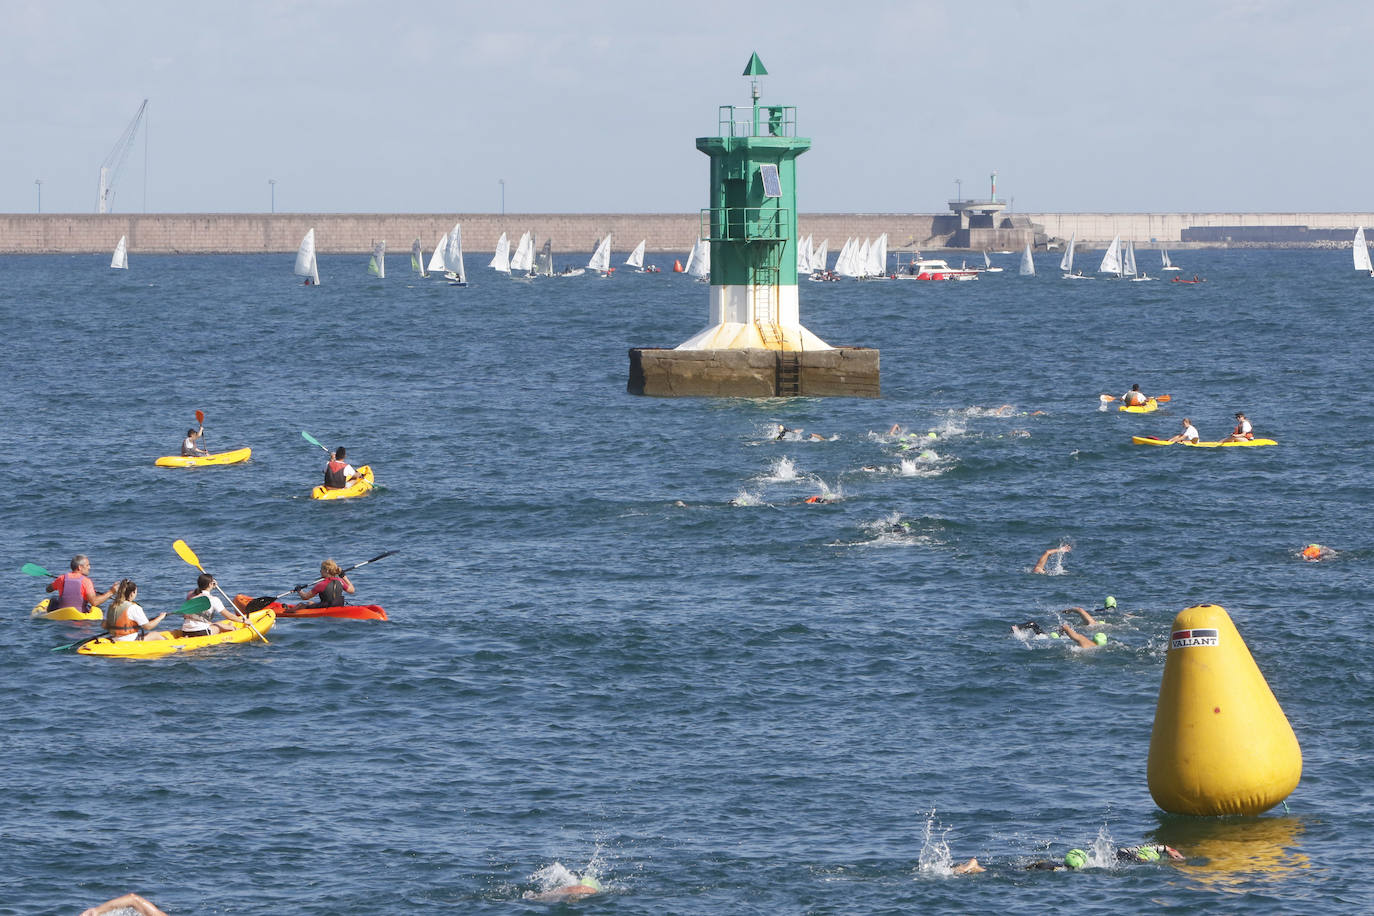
(1075, 858)
(589, 881)
(931, 435)
(1109, 601)
(1147, 854)
(1054, 635)
(1100, 638)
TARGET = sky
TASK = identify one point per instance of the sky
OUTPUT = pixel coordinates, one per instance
(587, 107)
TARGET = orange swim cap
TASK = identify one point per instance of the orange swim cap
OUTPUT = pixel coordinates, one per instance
(1312, 551)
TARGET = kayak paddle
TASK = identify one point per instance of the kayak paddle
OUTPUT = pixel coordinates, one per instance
(258, 604)
(191, 606)
(189, 555)
(313, 441)
(33, 569)
(200, 419)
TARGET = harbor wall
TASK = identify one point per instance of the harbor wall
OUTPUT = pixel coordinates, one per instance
(343, 233)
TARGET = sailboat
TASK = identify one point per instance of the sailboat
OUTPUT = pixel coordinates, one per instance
(306, 265)
(876, 267)
(1027, 262)
(453, 257)
(377, 264)
(987, 265)
(636, 258)
(1361, 250)
(1128, 265)
(436, 260)
(543, 262)
(120, 260)
(1111, 260)
(522, 262)
(804, 256)
(500, 260)
(1164, 257)
(699, 261)
(819, 257)
(1066, 262)
(417, 259)
(601, 258)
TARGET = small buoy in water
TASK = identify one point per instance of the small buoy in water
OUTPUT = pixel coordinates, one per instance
(1221, 743)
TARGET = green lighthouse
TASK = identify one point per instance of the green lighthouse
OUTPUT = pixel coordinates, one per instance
(755, 344)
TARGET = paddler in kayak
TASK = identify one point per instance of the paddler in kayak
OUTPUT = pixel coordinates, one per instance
(125, 618)
(330, 589)
(338, 473)
(1189, 434)
(189, 446)
(205, 624)
(1243, 430)
(1135, 397)
(75, 588)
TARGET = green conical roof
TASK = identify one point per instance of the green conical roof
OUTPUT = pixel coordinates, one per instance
(755, 66)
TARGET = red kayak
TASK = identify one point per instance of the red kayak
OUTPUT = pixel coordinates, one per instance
(345, 611)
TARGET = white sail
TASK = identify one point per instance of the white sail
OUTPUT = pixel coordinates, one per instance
(636, 258)
(1361, 252)
(376, 265)
(1027, 262)
(1128, 260)
(699, 261)
(1066, 262)
(417, 259)
(436, 260)
(804, 256)
(819, 256)
(843, 259)
(1164, 259)
(500, 260)
(306, 264)
(543, 264)
(453, 254)
(860, 263)
(120, 260)
(523, 259)
(1111, 260)
(877, 257)
(601, 258)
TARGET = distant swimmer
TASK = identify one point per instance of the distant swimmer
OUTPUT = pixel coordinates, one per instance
(971, 867)
(796, 435)
(1189, 434)
(1075, 859)
(1031, 629)
(1045, 557)
(821, 499)
(582, 887)
(125, 903)
(1097, 640)
(1315, 553)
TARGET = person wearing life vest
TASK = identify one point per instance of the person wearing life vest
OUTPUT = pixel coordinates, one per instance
(330, 589)
(189, 446)
(1135, 397)
(125, 619)
(338, 473)
(1242, 431)
(75, 588)
(205, 624)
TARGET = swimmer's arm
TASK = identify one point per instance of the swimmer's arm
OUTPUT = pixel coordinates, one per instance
(1083, 641)
(1045, 557)
(1088, 620)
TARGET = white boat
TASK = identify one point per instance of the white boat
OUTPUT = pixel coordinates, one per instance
(571, 271)
(819, 256)
(543, 262)
(454, 270)
(1111, 259)
(1361, 251)
(1066, 262)
(935, 269)
(699, 261)
(436, 260)
(522, 262)
(120, 260)
(601, 258)
(636, 258)
(417, 259)
(1164, 257)
(500, 260)
(987, 265)
(1027, 262)
(306, 264)
(376, 265)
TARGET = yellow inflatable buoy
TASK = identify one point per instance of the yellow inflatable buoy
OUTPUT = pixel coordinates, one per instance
(1221, 744)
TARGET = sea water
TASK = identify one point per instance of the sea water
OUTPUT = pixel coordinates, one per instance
(622, 641)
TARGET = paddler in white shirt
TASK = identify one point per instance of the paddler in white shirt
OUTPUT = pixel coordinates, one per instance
(1189, 434)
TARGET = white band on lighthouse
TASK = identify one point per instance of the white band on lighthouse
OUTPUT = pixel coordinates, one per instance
(737, 313)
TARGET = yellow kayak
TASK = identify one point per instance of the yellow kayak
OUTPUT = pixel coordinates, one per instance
(40, 612)
(361, 485)
(1150, 406)
(1155, 440)
(166, 642)
(237, 456)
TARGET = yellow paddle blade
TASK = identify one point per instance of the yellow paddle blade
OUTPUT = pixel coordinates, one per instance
(186, 553)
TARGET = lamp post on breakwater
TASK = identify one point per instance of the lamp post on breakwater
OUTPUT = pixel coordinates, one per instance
(502, 183)
(272, 184)
(39, 182)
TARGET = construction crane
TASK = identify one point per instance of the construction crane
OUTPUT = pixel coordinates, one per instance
(114, 162)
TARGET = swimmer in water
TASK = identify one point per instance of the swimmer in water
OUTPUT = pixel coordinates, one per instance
(1045, 557)
(584, 887)
(1075, 859)
(1031, 628)
(1315, 553)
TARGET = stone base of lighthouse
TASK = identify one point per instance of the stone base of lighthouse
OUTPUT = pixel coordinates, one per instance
(837, 372)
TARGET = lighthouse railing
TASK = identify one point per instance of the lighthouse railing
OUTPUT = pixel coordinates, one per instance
(745, 224)
(757, 121)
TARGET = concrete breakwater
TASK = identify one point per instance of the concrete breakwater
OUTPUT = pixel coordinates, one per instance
(351, 233)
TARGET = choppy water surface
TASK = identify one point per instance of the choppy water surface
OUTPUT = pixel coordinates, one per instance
(741, 704)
